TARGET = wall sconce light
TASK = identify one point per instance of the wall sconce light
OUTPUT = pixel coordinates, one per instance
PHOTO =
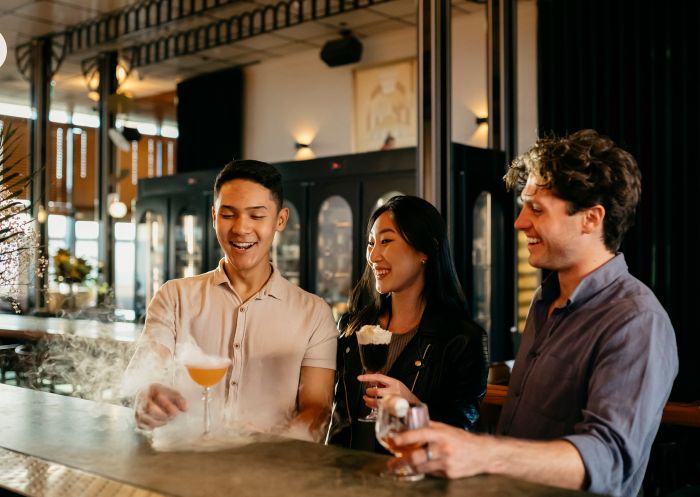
(481, 120)
(303, 151)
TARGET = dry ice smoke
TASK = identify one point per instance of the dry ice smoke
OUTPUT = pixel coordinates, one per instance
(188, 354)
(105, 370)
(232, 426)
(88, 368)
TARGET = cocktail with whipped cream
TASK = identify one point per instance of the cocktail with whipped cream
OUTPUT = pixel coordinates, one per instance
(373, 341)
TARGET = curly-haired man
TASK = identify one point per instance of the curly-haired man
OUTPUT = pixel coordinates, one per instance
(598, 356)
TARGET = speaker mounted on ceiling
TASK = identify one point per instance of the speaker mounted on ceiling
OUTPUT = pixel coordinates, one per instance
(345, 50)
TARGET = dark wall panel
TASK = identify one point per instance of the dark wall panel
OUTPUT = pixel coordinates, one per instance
(629, 70)
(210, 119)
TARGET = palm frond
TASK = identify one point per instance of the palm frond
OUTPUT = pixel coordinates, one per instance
(17, 235)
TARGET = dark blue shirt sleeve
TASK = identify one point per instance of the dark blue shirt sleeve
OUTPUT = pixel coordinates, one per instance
(630, 384)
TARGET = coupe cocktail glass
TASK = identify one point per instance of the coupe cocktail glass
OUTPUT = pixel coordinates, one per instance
(208, 375)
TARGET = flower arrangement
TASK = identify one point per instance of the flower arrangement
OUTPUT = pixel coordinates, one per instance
(69, 269)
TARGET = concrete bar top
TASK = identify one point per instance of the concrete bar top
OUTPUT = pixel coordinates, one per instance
(55, 445)
(34, 328)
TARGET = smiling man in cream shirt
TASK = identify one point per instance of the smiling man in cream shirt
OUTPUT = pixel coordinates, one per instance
(281, 339)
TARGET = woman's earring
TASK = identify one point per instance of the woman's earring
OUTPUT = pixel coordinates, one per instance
(422, 261)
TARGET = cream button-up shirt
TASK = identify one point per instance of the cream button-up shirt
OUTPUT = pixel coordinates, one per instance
(268, 339)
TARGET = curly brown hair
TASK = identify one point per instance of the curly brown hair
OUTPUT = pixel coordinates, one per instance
(585, 169)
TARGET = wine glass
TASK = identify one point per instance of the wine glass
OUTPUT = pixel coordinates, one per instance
(396, 415)
(374, 353)
(208, 375)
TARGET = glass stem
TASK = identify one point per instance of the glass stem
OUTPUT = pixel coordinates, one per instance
(207, 420)
(374, 409)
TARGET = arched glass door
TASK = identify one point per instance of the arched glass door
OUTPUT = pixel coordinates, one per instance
(150, 258)
(188, 243)
(335, 254)
(286, 249)
(481, 261)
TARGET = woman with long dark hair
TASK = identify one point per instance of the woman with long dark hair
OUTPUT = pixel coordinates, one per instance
(437, 354)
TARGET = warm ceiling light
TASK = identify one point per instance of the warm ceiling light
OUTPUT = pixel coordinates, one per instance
(41, 214)
(121, 73)
(116, 208)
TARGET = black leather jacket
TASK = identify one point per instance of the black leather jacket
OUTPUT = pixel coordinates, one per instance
(445, 365)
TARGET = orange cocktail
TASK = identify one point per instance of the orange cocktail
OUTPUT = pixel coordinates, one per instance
(207, 373)
(205, 376)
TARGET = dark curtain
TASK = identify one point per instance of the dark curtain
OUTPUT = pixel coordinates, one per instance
(210, 120)
(630, 70)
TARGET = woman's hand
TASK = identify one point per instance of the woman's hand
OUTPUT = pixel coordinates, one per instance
(385, 386)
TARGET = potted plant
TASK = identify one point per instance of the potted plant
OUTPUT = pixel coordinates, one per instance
(71, 271)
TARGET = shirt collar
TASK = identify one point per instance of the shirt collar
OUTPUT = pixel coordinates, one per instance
(590, 285)
(274, 287)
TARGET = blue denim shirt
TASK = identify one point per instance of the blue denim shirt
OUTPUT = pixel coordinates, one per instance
(597, 372)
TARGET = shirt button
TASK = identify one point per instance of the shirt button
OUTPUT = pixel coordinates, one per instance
(233, 383)
(242, 309)
(236, 345)
(347, 351)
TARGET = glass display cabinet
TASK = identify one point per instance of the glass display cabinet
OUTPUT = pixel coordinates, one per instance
(481, 260)
(322, 248)
(334, 253)
(483, 233)
(150, 257)
(188, 237)
(286, 248)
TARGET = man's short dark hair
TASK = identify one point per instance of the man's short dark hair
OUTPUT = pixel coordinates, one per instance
(256, 171)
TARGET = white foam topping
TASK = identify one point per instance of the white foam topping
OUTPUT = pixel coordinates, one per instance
(373, 335)
(397, 406)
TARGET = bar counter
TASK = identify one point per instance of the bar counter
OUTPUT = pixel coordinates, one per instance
(53, 445)
(35, 328)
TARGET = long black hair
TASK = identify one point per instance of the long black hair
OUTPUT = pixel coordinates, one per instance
(422, 226)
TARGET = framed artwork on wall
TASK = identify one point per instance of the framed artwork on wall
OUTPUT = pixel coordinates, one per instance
(385, 106)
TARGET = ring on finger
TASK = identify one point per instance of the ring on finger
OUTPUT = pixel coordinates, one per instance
(428, 453)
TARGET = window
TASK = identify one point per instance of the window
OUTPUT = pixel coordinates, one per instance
(125, 253)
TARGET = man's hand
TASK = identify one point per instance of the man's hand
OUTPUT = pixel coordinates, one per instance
(386, 386)
(157, 405)
(446, 451)
(453, 453)
(314, 399)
